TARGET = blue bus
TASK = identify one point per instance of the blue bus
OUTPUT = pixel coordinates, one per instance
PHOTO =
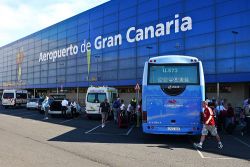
(173, 89)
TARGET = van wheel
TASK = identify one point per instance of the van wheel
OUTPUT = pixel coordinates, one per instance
(77, 114)
(89, 117)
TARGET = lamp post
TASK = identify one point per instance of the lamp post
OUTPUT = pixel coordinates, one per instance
(97, 60)
(60, 81)
(149, 48)
(235, 33)
(56, 86)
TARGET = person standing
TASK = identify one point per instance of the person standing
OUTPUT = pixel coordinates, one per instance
(246, 113)
(133, 103)
(122, 115)
(116, 108)
(129, 111)
(46, 107)
(73, 106)
(208, 125)
(230, 114)
(104, 110)
(220, 115)
(245, 102)
(139, 112)
(64, 104)
(122, 107)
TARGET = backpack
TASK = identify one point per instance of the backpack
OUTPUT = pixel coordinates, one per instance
(115, 104)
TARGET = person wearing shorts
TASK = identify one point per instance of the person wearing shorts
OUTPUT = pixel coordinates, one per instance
(208, 126)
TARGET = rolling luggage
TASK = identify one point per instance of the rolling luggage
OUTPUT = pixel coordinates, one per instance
(122, 120)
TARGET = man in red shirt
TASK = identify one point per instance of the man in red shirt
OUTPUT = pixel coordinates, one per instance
(208, 125)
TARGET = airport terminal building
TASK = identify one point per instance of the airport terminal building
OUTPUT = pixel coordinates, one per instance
(109, 44)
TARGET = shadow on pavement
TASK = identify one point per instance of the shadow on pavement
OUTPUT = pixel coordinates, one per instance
(112, 134)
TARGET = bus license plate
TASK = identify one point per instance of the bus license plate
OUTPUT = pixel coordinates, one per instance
(174, 128)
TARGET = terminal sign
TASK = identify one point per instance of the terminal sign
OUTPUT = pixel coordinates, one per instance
(132, 35)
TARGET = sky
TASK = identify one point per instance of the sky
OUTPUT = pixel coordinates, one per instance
(20, 18)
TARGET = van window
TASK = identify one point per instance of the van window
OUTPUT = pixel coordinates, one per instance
(101, 97)
(96, 97)
(21, 95)
(91, 98)
(8, 95)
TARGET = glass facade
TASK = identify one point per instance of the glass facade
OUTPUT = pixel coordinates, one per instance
(109, 44)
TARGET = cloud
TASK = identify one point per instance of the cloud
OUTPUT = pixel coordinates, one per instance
(25, 17)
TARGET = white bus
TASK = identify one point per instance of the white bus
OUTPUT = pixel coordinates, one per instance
(14, 98)
(96, 95)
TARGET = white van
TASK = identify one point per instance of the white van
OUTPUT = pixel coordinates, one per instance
(14, 98)
(96, 95)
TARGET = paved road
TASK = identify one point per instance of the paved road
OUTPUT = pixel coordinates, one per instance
(26, 140)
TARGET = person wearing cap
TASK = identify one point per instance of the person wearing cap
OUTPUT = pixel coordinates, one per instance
(208, 125)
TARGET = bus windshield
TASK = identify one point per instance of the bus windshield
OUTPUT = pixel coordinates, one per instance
(173, 74)
(96, 97)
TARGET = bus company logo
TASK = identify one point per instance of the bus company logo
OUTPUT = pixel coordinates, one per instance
(172, 101)
(173, 104)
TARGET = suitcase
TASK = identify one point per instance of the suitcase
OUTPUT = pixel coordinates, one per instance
(122, 120)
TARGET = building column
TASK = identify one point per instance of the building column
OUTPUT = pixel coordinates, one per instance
(77, 94)
(218, 91)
